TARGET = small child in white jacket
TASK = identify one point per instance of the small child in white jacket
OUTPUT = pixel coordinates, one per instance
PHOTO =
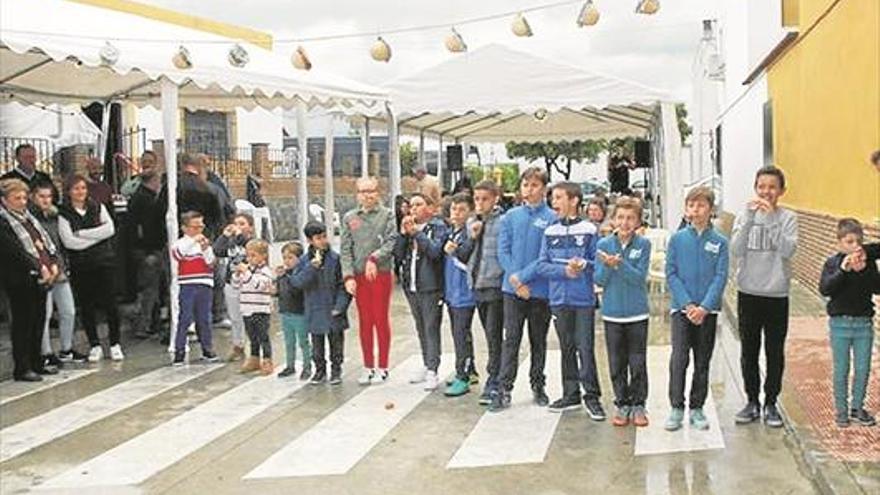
(256, 283)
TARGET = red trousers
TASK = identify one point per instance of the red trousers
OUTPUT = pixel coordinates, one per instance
(373, 300)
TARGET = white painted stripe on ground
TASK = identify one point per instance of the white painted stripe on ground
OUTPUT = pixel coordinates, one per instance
(144, 456)
(22, 437)
(654, 439)
(11, 390)
(519, 435)
(339, 441)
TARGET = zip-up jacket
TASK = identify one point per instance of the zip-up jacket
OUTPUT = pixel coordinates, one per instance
(231, 247)
(849, 293)
(564, 240)
(519, 244)
(367, 235)
(195, 266)
(326, 301)
(290, 298)
(696, 268)
(458, 290)
(481, 254)
(625, 296)
(429, 256)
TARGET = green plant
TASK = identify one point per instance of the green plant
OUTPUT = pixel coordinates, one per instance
(558, 155)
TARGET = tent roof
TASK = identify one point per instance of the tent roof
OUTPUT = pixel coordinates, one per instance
(38, 67)
(497, 94)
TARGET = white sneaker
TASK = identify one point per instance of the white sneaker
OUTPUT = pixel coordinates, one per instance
(379, 377)
(116, 353)
(366, 376)
(431, 380)
(419, 376)
(96, 354)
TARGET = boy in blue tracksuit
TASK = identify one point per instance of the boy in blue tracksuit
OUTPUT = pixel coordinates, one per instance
(459, 296)
(696, 271)
(567, 260)
(622, 262)
(525, 293)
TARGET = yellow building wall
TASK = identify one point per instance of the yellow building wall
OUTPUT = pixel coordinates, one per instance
(825, 93)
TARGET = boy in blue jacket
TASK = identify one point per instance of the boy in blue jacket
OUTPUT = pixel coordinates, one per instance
(319, 275)
(459, 296)
(622, 271)
(420, 250)
(567, 260)
(525, 293)
(696, 271)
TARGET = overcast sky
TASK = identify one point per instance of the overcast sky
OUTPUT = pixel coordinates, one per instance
(653, 50)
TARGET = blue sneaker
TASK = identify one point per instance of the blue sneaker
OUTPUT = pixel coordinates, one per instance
(457, 388)
(698, 419)
(673, 422)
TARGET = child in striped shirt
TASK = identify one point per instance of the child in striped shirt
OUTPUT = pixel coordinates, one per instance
(256, 283)
(195, 272)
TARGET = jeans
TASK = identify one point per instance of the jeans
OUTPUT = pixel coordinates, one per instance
(195, 306)
(769, 315)
(627, 349)
(294, 328)
(516, 312)
(851, 335)
(576, 331)
(427, 311)
(700, 339)
(463, 341)
(61, 295)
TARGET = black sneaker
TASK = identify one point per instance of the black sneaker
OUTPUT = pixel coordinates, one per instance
(179, 358)
(318, 378)
(52, 360)
(335, 377)
(500, 401)
(539, 396)
(486, 397)
(772, 418)
(209, 357)
(72, 356)
(306, 373)
(862, 417)
(842, 420)
(288, 371)
(564, 404)
(594, 409)
(748, 414)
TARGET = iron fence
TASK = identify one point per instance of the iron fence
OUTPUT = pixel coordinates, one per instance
(45, 153)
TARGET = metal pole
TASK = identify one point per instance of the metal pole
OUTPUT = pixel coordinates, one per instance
(393, 153)
(302, 185)
(365, 147)
(169, 134)
(329, 201)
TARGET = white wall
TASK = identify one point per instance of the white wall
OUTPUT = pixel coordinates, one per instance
(259, 126)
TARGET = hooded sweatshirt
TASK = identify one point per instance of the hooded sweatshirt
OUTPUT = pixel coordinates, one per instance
(763, 244)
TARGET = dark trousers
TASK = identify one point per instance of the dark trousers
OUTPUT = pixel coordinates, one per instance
(700, 339)
(337, 344)
(492, 318)
(257, 328)
(28, 305)
(627, 350)
(95, 288)
(151, 267)
(767, 315)
(516, 312)
(463, 341)
(195, 306)
(427, 311)
(576, 331)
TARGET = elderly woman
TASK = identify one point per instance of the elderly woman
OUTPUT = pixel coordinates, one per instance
(29, 268)
(86, 230)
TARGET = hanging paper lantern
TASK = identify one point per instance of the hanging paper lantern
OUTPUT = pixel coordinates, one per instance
(520, 26)
(109, 54)
(238, 56)
(380, 51)
(589, 15)
(182, 59)
(455, 43)
(648, 7)
(300, 59)
(541, 114)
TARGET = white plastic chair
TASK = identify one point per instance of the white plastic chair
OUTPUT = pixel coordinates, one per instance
(657, 272)
(259, 214)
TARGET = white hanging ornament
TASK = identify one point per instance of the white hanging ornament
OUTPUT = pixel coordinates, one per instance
(381, 50)
(182, 59)
(238, 56)
(300, 59)
(455, 43)
(589, 15)
(520, 26)
(109, 54)
(541, 115)
(648, 7)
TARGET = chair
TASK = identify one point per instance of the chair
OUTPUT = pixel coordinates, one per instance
(657, 272)
(260, 215)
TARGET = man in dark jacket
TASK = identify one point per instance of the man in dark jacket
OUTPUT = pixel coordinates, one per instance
(26, 156)
(420, 248)
(194, 194)
(148, 237)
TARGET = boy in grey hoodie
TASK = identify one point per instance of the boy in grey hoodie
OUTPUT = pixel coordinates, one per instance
(763, 243)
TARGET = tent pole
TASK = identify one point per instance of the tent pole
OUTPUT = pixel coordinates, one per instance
(169, 134)
(329, 201)
(440, 161)
(365, 147)
(302, 185)
(393, 154)
(422, 162)
(104, 143)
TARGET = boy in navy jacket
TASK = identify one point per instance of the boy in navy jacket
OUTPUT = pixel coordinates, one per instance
(420, 248)
(566, 260)
(319, 275)
(459, 296)
(623, 259)
(696, 271)
(525, 293)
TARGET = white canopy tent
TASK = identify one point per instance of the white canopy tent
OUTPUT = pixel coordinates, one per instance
(54, 51)
(497, 94)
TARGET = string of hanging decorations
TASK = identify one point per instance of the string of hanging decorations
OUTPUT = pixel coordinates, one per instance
(380, 50)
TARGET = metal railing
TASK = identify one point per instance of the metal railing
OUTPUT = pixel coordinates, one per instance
(45, 152)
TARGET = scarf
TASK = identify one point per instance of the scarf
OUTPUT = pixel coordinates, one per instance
(16, 221)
